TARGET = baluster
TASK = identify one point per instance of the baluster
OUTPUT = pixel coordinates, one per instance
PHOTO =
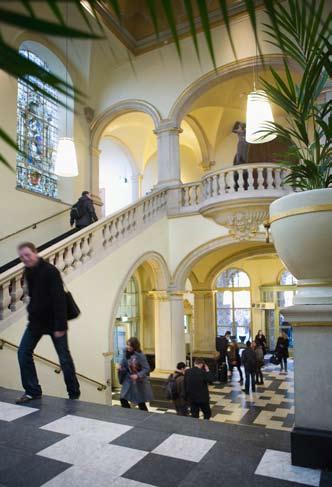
(5, 299)
(91, 242)
(229, 176)
(16, 293)
(85, 249)
(193, 195)
(134, 219)
(69, 259)
(208, 188)
(215, 185)
(251, 180)
(277, 178)
(186, 196)
(260, 178)
(24, 285)
(104, 235)
(222, 183)
(240, 181)
(199, 193)
(269, 178)
(59, 261)
(77, 253)
(120, 226)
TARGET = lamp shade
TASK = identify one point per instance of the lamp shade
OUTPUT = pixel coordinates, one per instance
(259, 113)
(66, 160)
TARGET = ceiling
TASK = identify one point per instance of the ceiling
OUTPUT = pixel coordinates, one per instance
(136, 29)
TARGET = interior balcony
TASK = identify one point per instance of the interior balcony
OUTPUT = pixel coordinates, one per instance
(237, 197)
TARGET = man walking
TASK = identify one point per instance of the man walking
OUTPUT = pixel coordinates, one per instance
(196, 382)
(83, 212)
(47, 315)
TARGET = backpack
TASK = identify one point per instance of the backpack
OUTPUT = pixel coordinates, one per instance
(171, 388)
(75, 213)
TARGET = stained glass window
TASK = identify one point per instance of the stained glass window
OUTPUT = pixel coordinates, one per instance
(37, 135)
(233, 303)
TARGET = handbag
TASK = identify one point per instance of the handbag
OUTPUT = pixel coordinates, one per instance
(275, 360)
(73, 311)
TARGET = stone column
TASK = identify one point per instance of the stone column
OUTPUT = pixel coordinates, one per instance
(204, 319)
(136, 180)
(169, 332)
(169, 171)
(311, 438)
(94, 179)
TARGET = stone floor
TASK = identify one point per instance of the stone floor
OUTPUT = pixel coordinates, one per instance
(271, 406)
(60, 443)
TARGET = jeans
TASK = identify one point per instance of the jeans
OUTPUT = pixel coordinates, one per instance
(250, 376)
(259, 375)
(28, 370)
(283, 363)
(203, 406)
(125, 404)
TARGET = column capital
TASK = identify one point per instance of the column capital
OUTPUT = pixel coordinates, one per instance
(168, 126)
(308, 314)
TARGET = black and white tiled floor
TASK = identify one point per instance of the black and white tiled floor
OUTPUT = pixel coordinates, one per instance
(271, 406)
(57, 442)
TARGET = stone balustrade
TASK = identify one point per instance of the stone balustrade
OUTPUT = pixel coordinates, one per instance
(257, 180)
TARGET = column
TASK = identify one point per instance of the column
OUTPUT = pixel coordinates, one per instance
(136, 181)
(204, 323)
(169, 171)
(94, 179)
(169, 332)
(311, 438)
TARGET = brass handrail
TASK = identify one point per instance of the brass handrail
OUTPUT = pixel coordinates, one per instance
(101, 386)
(34, 225)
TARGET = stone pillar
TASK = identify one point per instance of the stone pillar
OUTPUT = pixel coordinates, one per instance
(136, 181)
(169, 172)
(311, 438)
(169, 332)
(204, 330)
(94, 179)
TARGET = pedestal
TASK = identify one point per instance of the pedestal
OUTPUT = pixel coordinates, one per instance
(311, 438)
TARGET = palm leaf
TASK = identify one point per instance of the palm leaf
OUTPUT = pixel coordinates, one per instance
(203, 11)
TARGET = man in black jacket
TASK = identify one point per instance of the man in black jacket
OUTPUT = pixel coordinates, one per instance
(249, 361)
(83, 212)
(196, 382)
(47, 315)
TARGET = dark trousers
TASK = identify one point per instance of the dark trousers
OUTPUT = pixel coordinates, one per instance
(259, 375)
(181, 410)
(283, 363)
(28, 370)
(250, 376)
(125, 404)
(195, 407)
(238, 367)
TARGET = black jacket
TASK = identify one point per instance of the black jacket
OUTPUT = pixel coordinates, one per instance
(221, 347)
(282, 347)
(86, 211)
(249, 360)
(196, 385)
(47, 308)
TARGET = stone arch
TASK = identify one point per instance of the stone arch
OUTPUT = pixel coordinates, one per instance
(161, 275)
(194, 90)
(99, 124)
(184, 267)
(205, 147)
(126, 151)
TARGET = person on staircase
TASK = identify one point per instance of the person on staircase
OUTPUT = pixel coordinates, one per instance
(134, 377)
(83, 212)
(47, 315)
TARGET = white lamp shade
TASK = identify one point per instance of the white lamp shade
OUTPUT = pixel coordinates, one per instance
(66, 160)
(259, 112)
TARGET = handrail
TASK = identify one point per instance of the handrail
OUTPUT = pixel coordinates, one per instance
(101, 386)
(34, 225)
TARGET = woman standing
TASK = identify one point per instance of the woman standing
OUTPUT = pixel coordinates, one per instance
(235, 359)
(282, 350)
(261, 341)
(133, 375)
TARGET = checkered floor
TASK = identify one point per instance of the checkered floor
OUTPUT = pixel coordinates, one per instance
(271, 406)
(62, 443)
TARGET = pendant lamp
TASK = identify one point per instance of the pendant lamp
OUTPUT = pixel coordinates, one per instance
(259, 116)
(66, 160)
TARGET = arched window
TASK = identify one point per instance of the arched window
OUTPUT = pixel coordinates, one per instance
(233, 303)
(287, 279)
(37, 134)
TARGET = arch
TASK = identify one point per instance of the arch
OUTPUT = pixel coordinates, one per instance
(206, 150)
(162, 279)
(234, 270)
(100, 123)
(280, 276)
(126, 151)
(181, 106)
(184, 267)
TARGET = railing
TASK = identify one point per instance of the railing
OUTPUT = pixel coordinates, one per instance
(57, 370)
(77, 249)
(251, 178)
